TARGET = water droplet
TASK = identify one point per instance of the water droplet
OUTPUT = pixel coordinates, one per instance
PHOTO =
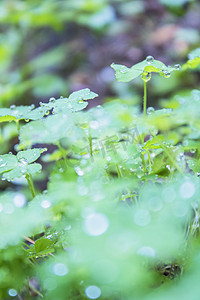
(3, 165)
(187, 189)
(27, 120)
(23, 161)
(12, 292)
(96, 224)
(150, 110)
(32, 106)
(146, 76)
(192, 151)
(79, 171)
(60, 269)
(19, 200)
(149, 59)
(93, 292)
(123, 70)
(80, 101)
(147, 251)
(167, 74)
(198, 174)
(177, 67)
(13, 106)
(45, 204)
(108, 158)
(61, 97)
(142, 217)
(52, 100)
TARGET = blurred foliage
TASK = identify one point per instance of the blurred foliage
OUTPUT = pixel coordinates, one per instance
(111, 210)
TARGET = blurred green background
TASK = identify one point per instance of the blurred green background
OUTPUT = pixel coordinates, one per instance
(52, 47)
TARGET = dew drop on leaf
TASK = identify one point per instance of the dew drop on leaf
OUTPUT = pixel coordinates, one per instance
(146, 76)
(150, 110)
(167, 74)
(79, 171)
(3, 165)
(149, 59)
(93, 292)
(23, 161)
(12, 292)
(12, 106)
(192, 151)
(45, 204)
(177, 67)
(52, 100)
(123, 70)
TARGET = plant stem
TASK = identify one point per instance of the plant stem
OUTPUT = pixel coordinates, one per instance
(90, 143)
(62, 150)
(149, 157)
(172, 159)
(31, 184)
(17, 123)
(119, 171)
(145, 99)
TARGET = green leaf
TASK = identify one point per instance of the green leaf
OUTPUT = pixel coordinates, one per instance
(7, 162)
(16, 166)
(7, 119)
(50, 130)
(84, 94)
(30, 155)
(43, 246)
(149, 65)
(22, 112)
(194, 60)
(75, 102)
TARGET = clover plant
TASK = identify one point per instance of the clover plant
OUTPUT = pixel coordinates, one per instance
(110, 210)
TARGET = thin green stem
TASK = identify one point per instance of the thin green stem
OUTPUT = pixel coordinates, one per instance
(35, 290)
(145, 99)
(119, 172)
(172, 159)
(17, 123)
(149, 157)
(62, 150)
(90, 143)
(144, 164)
(30, 184)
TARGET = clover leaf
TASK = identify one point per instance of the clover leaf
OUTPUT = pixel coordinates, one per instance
(74, 103)
(50, 130)
(15, 166)
(17, 113)
(144, 69)
(194, 60)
